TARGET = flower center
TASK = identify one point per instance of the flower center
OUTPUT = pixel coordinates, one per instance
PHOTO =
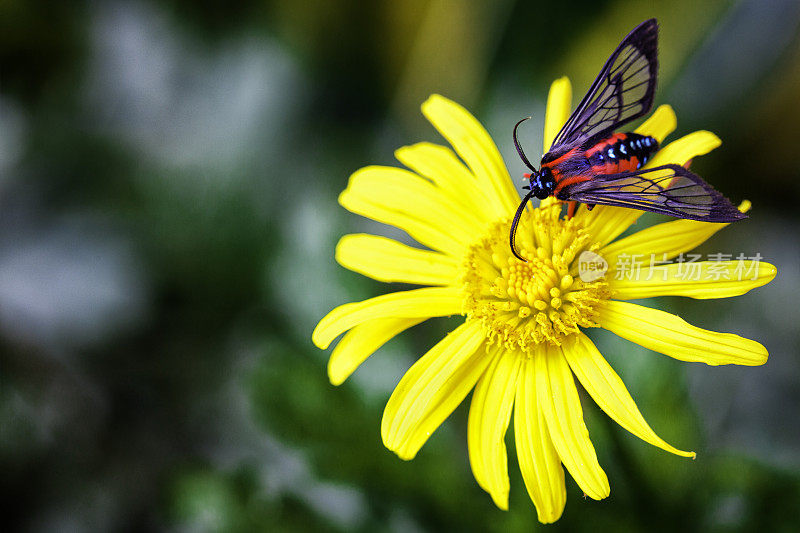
(543, 300)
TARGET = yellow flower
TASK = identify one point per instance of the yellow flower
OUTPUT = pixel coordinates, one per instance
(522, 339)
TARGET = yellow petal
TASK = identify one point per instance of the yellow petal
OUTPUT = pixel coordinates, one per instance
(489, 416)
(430, 236)
(660, 124)
(394, 195)
(559, 103)
(745, 206)
(671, 335)
(417, 303)
(684, 149)
(361, 342)
(452, 392)
(420, 401)
(558, 400)
(608, 223)
(700, 279)
(608, 390)
(538, 459)
(390, 261)
(443, 168)
(671, 238)
(474, 145)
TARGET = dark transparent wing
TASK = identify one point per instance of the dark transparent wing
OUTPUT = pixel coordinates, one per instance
(670, 189)
(623, 91)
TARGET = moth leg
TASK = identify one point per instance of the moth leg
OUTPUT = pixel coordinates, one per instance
(686, 166)
(572, 206)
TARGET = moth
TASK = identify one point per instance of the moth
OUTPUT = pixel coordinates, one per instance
(589, 163)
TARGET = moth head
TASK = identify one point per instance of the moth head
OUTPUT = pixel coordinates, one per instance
(542, 183)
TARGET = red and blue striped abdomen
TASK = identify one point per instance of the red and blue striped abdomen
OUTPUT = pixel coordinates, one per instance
(620, 152)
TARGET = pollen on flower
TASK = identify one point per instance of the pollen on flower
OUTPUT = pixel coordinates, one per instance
(543, 300)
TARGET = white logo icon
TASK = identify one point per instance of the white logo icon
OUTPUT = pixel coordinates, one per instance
(591, 266)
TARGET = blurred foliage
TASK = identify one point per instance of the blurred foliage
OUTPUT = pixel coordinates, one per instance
(168, 181)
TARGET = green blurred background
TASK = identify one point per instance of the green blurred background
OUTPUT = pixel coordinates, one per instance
(168, 181)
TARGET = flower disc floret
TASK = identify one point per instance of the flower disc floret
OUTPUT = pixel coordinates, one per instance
(543, 300)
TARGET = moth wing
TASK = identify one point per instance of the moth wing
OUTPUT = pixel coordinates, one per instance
(669, 189)
(622, 92)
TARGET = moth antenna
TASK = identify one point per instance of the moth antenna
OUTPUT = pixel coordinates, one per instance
(519, 148)
(513, 234)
